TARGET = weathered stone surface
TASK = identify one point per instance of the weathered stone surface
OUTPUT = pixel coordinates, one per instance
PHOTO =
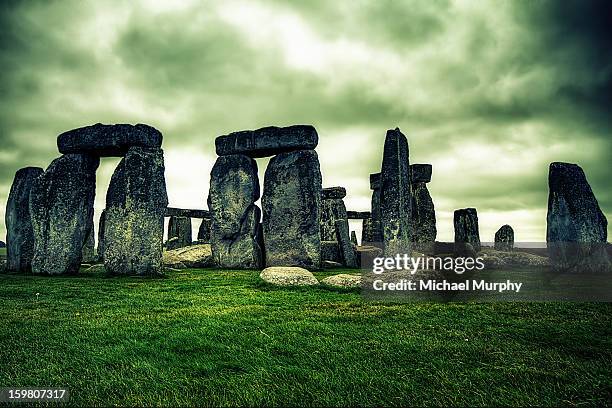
(108, 140)
(2, 244)
(497, 259)
(333, 192)
(331, 210)
(344, 243)
(375, 181)
(330, 251)
(395, 199)
(288, 276)
(268, 141)
(136, 203)
(195, 256)
(179, 227)
(358, 215)
(89, 247)
(367, 231)
(344, 281)
(61, 207)
(184, 212)
(466, 230)
(576, 232)
(423, 218)
(292, 210)
(504, 238)
(234, 188)
(204, 231)
(354, 238)
(377, 231)
(366, 254)
(420, 173)
(101, 223)
(19, 233)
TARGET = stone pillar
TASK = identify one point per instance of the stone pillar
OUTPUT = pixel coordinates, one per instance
(576, 230)
(204, 231)
(367, 231)
(101, 235)
(89, 246)
(19, 233)
(347, 251)
(332, 209)
(504, 238)
(234, 188)
(376, 226)
(136, 203)
(61, 207)
(354, 238)
(179, 228)
(466, 231)
(395, 199)
(423, 212)
(292, 210)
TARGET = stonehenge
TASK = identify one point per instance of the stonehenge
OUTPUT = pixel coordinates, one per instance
(19, 233)
(504, 238)
(467, 235)
(576, 230)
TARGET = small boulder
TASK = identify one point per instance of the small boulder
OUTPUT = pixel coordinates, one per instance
(504, 238)
(288, 276)
(195, 256)
(343, 280)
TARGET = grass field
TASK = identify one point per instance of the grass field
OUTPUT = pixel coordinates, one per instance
(221, 338)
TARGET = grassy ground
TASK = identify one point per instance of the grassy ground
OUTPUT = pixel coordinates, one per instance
(222, 338)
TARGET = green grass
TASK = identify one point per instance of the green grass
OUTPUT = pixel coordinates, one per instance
(222, 338)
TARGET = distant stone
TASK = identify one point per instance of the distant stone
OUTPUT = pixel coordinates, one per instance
(344, 281)
(333, 192)
(184, 212)
(496, 259)
(375, 181)
(108, 140)
(366, 255)
(331, 264)
(377, 233)
(424, 229)
(420, 173)
(180, 228)
(195, 256)
(354, 238)
(268, 141)
(330, 251)
(136, 203)
(331, 210)
(504, 238)
(576, 232)
(292, 210)
(235, 231)
(367, 231)
(89, 247)
(204, 231)
(395, 199)
(358, 215)
(288, 276)
(19, 233)
(346, 248)
(98, 268)
(61, 208)
(101, 227)
(466, 231)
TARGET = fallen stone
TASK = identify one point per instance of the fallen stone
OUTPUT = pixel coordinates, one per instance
(98, 268)
(234, 188)
(424, 229)
(366, 254)
(344, 281)
(268, 141)
(108, 140)
(346, 248)
(333, 192)
(180, 228)
(136, 203)
(19, 233)
(466, 230)
(204, 231)
(183, 212)
(420, 173)
(358, 215)
(576, 233)
(292, 210)
(354, 238)
(395, 199)
(288, 276)
(331, 264)
(504, 238)
(195, 256)
(61, 209)
(497, 259)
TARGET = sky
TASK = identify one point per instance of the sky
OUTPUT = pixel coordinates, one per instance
(489, 92)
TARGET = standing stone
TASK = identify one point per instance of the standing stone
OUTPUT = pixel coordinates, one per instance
(347, 251)
(292, 210)
(395, 200)
(61, 207)
(354, 238)
(332, 209)
(268, 141)
(135, 207)
(19, 233)
(423, 218)
(377, 233)
(180, 228)
(234, 188)
(504, 238)
(576, 227)
(367, 232)
(101, 234)
(204, 231)
(89, 247)
(466, 231)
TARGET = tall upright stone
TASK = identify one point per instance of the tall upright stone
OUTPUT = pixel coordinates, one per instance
(292, 210)
(395, 199)
(136, 203)
(466, 231)
(234, 233)
(19, 233)
(332, 209)
(423, 229)
(504, 238)
(576, 233)
(376, 226)
(89, 246)
(367, 231)
(101, 227)
(204, 230)
(179, 228)
(354, 238)
(61, 207)
(347, 252)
